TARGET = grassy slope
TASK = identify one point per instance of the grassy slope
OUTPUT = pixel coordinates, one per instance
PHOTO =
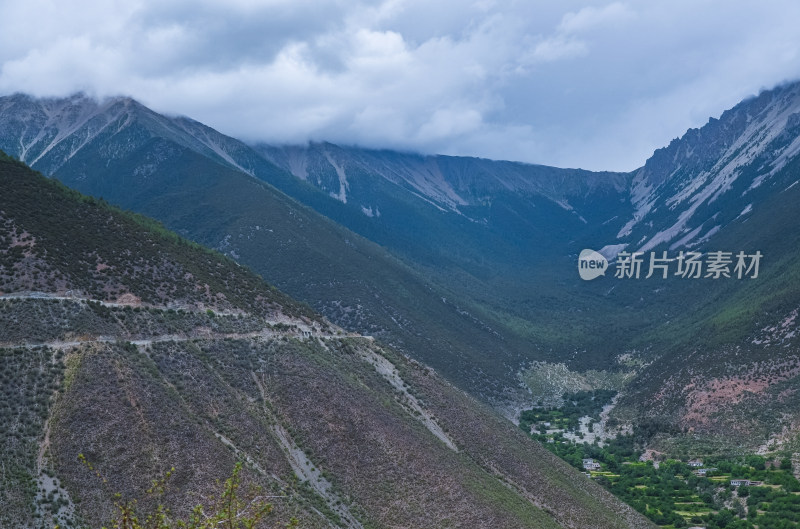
(90, 257)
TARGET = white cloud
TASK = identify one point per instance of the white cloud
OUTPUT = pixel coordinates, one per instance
(557, 48)
(592, 17)
(573, 83)
(448, 122)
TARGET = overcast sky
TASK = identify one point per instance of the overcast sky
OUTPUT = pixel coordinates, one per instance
(597, 85)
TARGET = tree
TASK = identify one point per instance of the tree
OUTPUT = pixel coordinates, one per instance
(232, 510)
(740, 510)
(744, 491)
(757, 462)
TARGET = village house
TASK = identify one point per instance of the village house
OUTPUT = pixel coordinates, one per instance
(695, 463)
(745, 483)
(591, 464)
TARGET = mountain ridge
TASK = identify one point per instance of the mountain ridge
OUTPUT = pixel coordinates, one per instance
(451, 263)
(144, 169)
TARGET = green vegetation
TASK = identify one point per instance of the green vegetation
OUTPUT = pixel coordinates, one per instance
(566, 417)
(671, 493)
(28, 380)
(84, 256)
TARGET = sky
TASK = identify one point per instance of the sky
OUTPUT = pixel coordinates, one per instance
(592, 84)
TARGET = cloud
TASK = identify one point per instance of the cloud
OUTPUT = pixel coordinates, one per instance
(574, 83)
(558, 48)
(592, 17)
(566, 42)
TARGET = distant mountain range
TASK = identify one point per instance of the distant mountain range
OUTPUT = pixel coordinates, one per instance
(470, 265)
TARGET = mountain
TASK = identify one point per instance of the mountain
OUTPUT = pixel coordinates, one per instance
(714, 175)
(430, 207)
(135, 350)
(449, 182)
(142, 161)
(456, 285)
(370, 192)
(469, 265)
(717, 360)
(728, 365)
(713, 359)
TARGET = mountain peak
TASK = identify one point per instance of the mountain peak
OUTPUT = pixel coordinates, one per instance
(677, 188)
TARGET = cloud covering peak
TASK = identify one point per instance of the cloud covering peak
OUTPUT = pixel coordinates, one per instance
(598, 85)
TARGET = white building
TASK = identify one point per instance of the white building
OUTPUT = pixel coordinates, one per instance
(591, 464)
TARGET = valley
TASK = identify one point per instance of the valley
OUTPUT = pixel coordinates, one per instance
(724, 488)
(167, 355)
(439, 290)
(393, 264)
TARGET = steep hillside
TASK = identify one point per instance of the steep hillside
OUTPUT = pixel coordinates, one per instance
(723, 361)
(141, 351)
(711, 176)
(470, 281)
(729, 367)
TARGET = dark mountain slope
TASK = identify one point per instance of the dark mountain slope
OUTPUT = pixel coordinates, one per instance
(474, 285)
(100, 362)
(456, 212)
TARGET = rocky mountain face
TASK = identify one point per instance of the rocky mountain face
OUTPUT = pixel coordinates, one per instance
(134, 350)
(459, 185)
(48, 133)
(711, 176)
(450, 182)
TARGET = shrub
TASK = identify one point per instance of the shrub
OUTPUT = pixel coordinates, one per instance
(233, 509)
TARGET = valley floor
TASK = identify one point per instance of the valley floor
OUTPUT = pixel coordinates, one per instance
(742, 492)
